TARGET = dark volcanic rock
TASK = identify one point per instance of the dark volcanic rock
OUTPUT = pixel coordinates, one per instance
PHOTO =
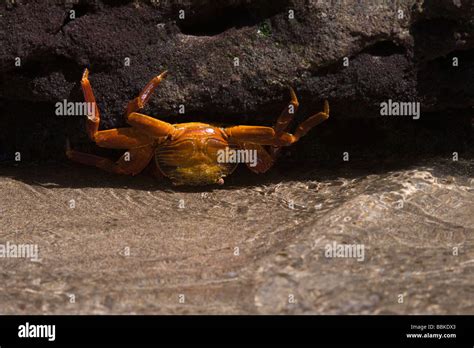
(405, 56)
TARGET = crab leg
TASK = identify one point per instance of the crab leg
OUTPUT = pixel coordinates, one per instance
(287, 114)
(312, 121)
(284, 121)
(151, 126)
(258, 135)
(131, 164)
(122, 138)
(268, 136)
(118, 138)
(92, 125)
(266, 155)
(140, 101)
(264, 160)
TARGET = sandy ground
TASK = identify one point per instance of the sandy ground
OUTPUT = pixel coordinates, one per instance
(110, 244)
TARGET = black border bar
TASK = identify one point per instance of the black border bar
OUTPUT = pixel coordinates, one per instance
(291, 331)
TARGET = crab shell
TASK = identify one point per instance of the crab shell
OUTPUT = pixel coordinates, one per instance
(191, 156)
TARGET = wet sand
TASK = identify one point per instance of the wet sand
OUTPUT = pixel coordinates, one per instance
(257, 245)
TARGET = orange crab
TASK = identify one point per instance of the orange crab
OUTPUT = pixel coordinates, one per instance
(186, 153)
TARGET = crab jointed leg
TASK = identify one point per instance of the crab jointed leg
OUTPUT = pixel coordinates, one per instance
(93, 120)
(284, 120)
(140, 145)
(268, 136)
(118, 138)
(267, 141)
(287, 114)
(150, 126)
(130, 163)
(255, 137)
(266, 156)
(312, 121)
(140, 101)
(265, 160)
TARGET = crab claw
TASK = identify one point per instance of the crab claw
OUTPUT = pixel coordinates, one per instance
(220, 181)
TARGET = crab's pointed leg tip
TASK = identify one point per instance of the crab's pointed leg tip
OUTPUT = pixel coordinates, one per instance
(85, 75)
(164, 74)
(292, 93)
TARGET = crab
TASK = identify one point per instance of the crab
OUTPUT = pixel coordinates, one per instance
(186, 153)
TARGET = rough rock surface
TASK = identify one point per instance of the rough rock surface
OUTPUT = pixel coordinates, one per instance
(404, 56)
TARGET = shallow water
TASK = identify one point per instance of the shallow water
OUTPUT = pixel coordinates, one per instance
(128, 245)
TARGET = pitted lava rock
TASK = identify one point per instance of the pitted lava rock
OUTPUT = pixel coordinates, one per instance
(405, 56)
